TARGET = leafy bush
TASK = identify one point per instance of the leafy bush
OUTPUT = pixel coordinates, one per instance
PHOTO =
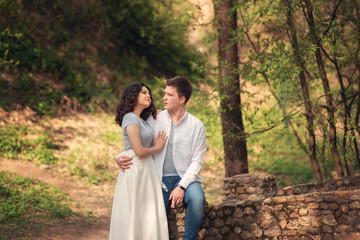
(151, 36)
(88, 49)
(21, 49)
(24, 89)
(28, 204)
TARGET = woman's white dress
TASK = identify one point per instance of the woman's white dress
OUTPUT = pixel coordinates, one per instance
(138, 211)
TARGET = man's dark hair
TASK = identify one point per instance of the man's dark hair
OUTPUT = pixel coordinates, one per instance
(183, 86)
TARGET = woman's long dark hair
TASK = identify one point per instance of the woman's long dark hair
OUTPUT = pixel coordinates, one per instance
(128, 102)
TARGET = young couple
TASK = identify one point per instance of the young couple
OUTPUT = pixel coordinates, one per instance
(171, 161)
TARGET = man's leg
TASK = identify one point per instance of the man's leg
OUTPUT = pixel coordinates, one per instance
(195, 201)
(170, 182)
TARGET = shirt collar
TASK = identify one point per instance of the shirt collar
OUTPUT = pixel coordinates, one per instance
(181, 119)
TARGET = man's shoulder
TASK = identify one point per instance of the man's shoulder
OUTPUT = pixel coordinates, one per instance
(194, 119)
(160, 116)
(162, 113)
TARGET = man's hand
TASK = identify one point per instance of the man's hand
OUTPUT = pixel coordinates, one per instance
(177, 196)
(123, 162)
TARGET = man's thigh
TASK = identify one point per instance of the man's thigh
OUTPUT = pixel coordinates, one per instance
(194, 192)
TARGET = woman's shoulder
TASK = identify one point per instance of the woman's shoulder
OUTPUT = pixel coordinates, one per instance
(130, 117)
(129, 114)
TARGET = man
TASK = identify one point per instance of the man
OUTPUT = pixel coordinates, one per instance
(181, 160)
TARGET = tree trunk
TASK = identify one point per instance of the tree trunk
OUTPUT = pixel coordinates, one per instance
(234, 137)
(305, 90)
(327, 172)
(347, 112)
(357, 114)
(357, 124)
(329, 100)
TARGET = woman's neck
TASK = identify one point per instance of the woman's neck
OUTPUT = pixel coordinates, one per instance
(138, 110)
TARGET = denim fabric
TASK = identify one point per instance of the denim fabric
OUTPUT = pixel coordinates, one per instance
(194, 199)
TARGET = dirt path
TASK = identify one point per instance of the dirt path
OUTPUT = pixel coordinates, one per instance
(94, 228)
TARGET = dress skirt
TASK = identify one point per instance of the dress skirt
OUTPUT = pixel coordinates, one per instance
(138, 211)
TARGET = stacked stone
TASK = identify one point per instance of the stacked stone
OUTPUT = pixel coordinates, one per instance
(332, 215)
(176, 222)
(328, 210)
(231, 221)
(327, 215)
(339, 184)
(248, 186)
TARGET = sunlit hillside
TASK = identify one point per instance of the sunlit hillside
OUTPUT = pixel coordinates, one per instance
(64, 65)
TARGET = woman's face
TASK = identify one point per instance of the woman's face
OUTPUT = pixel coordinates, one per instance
(144, 97)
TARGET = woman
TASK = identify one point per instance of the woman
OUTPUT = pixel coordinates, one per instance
(138, 209)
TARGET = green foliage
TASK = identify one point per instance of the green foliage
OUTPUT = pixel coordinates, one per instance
(149, 37)
(272, 94)
(24, 89)
(21, 49)
(209, 115)
(29, 204)
(278, 154)
(87, 51)
(16, 143)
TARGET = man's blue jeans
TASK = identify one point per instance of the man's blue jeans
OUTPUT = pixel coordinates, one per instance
(194, 199)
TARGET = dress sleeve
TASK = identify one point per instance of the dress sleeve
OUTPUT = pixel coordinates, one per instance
(130, 118)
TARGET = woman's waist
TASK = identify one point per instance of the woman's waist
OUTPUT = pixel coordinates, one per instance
(135, 159)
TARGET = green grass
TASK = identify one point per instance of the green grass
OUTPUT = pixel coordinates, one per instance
(112, 137)
(278, 153)
(27, 205)
(89, 168)
(18, 142)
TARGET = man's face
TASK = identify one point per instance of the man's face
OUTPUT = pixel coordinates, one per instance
(171, 98)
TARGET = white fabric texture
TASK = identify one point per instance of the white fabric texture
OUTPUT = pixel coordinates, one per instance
(189, 146)
(138, 211)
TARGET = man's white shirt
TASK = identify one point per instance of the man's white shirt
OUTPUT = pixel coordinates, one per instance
(189, 146)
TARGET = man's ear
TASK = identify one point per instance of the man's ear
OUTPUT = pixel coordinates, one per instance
(182, 100)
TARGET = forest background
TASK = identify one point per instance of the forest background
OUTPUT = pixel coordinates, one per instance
(65, 63)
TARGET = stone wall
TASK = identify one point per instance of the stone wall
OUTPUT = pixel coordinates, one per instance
(253, 208)
(248, 186)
